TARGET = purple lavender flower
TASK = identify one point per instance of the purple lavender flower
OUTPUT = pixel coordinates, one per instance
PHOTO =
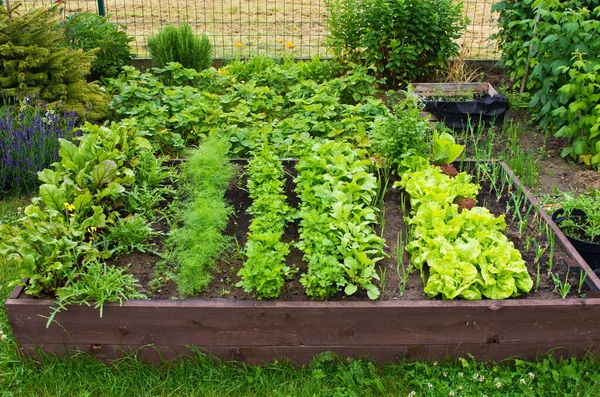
(29, 133)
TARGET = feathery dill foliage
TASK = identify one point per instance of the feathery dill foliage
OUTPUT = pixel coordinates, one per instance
(200, 240)
(29, 133)
(180, 45)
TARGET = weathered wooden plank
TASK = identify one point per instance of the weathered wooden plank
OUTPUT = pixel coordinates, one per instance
(453, 89)
(311, 323)
(303, 354)
(592, 280)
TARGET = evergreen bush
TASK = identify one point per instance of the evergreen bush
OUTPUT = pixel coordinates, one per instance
(34, 61)
(180, 45)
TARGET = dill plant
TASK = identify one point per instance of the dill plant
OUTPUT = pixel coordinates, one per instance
(204, 216)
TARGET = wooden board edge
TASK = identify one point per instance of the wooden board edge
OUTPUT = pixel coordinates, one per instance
(302, 355)
(593, 280)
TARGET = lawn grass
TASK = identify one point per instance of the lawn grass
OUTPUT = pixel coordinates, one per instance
(327, 375)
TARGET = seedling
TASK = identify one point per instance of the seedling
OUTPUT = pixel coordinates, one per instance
(582, 277)
(403, 270)
(539, 251)
(550, 238)
(563, 288)
(382, 282)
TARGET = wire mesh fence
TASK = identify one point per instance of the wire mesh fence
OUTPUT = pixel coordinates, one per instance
(258, 27)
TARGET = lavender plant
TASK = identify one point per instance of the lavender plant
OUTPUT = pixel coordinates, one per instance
(29, 133)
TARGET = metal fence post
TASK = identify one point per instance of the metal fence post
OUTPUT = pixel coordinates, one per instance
(101, 10)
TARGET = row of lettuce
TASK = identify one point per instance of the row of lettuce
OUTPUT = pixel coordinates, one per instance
(110, 184)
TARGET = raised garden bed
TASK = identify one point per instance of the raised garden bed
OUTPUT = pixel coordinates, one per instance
(458, 104)
(261, 331)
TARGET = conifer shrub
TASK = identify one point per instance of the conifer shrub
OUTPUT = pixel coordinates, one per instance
(34, 61)
(180, 45)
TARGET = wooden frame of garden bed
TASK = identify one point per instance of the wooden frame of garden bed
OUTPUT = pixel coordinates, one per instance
(262, 331)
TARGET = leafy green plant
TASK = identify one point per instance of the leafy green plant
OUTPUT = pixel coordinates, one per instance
(568, 71)
(401, 134)
(179, 107)
(518, 23)
(79, 198)
(554, 56)
(35, 62)
(336, 233)
(87, 31)
(98, 284)
(445, 150)
(584, 227)
(407, 41)
(180, 45)
(467, 255)
(128, 234)
(203, 217)
(264, 270)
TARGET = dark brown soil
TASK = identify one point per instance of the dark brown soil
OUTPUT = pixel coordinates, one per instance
(225, 277)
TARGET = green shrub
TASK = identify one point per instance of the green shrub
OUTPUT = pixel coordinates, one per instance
(568, 75)
(180, 45)
(564, 77)
(87, 31)
(407, 41)
(34, 61)
(516, 21)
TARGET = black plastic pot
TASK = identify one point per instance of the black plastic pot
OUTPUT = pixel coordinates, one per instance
(458, 114)
(589, 251)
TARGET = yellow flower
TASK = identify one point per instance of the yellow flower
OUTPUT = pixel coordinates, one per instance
(238, 44)
(91, 229)
(69, 207)
(289, 44)
(281, 41)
